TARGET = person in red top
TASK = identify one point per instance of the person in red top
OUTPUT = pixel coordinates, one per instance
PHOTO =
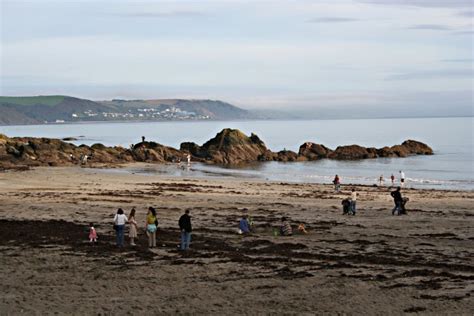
(337, 183)
(392, 177)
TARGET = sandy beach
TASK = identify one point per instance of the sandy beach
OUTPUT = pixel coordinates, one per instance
(372, 263)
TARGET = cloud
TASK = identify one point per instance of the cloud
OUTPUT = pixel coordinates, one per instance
(432, 27)
(468, 14)
(423, 3)
(332, 20)
(433, 74)
(160, 15)
(470, 32)
(458, 60)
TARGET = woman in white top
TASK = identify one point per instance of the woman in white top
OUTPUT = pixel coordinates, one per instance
(119, 224)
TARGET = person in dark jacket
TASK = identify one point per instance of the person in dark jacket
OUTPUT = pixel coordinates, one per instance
(397, 198)
(186, 229)
(244, 225)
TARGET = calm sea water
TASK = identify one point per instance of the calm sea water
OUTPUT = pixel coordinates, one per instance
(451, 167)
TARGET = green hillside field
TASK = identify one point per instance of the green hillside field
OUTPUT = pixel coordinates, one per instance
(50, 100)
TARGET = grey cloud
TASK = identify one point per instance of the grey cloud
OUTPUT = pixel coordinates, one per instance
(468, 14)
(470, 32)
(433, 74)
(332, 20)
(458, 60)
(159, 15)
(424, 3)
(432, 27)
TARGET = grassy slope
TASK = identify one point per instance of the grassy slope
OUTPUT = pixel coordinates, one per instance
(45, 100)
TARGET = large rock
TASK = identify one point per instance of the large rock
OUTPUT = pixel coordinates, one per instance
(417, 148)
(351, 152)
(230, 146)
(154, 152)
(312, 151)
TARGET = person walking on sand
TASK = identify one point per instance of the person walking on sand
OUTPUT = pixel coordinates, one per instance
(244, 225)
(151, 226)
(119, 221)
(392, 177)
(186, 230)
(132, 232)
(398, 200)
(402, 178)
(354, 195)
(337, 183)
(381, 180)
(92, 234)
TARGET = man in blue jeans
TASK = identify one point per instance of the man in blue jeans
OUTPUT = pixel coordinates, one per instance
(186, 229)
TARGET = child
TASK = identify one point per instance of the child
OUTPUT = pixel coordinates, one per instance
(92, 234)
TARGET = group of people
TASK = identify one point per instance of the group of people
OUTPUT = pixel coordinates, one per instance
(246, 223)
(392, 179)
(151, 226)
(349, 204)
(337, 181)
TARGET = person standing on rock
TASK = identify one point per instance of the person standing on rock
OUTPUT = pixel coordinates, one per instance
(186, 229)
(337, 183)
(132, 232)
(120, 220)
(398, 200)
(151, 227)
(402, 178)
(143, 139)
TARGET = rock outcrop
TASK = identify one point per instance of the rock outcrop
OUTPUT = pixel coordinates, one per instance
(352, 152)
(230, 146)
(312, 151)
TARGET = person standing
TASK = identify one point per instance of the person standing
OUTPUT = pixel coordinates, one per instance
(392, 177)
(337, 183)
(132, 233)
(120, 220)
(354, 195)
(244, 225)
(398, 200)
(381, 180)
(151, 226)
(186, 229)
(402, 178)
(92, 234)
(188, 159)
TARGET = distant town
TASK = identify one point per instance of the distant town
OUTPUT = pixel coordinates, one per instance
(171, 113)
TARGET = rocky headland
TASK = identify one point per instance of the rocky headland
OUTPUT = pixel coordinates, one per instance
(230, 146)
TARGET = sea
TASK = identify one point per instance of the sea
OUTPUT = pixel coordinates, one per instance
(450, 168)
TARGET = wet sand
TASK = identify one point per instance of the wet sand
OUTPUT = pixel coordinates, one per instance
(371, 263)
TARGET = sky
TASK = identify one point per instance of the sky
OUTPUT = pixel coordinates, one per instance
(341, 55)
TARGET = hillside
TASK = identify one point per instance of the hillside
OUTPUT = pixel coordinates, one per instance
(63, 109)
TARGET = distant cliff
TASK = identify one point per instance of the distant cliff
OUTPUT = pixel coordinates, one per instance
(65, 109)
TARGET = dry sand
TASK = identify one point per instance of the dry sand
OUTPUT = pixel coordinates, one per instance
(371, 263)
